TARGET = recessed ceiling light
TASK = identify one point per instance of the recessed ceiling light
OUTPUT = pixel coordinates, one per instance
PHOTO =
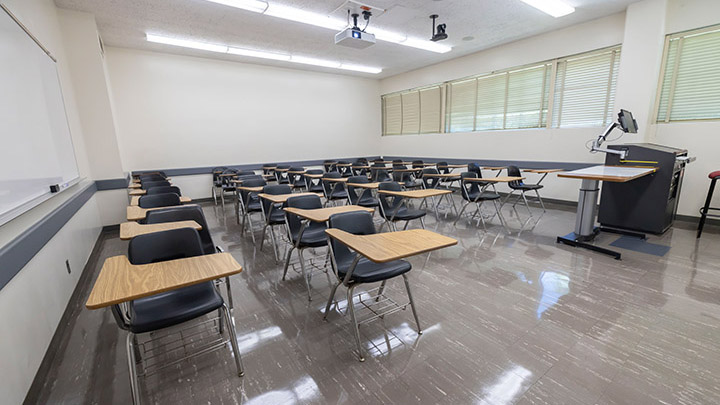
(556, 8)
(468, 38)
(325, 21)
(185, 43)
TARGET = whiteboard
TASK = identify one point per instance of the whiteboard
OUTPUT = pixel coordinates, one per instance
(36, 149)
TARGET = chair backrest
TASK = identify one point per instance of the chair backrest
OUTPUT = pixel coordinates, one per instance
(160, 247)
(163, 190)
(442, 167)
(380, 175)
(268, 169)
(389, 202)
(309, 181)
(185, 213)
(225, 180)
(398, 162)
(150, 184)
(159, 200)
(356, 223)
(306, 202)
(332, 186)
(355, 193)
(416, 164)
(430, 182)
(514, 171)
(163, 246)
(274, 189)
(345, 170)
(282, 177)
(475, 168)
(466, 188)
(248, 197)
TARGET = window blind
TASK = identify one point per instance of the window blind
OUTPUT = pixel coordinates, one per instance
(690, 87)
(463, 95)
(585, 89)
(410, 112)
(392, 109)
(430, 106)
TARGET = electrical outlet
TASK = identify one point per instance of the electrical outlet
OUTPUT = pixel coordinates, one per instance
(67, 265)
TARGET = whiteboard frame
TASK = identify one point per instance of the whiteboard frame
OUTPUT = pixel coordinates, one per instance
(27, 206)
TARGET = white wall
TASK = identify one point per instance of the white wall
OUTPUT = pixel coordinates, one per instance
(566, 145)
(32, 303)
(178, 111)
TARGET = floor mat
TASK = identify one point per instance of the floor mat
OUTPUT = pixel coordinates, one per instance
(640, 245)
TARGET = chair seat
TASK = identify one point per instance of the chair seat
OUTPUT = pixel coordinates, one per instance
(714, 174)
(413, 184)
(173, 307)
(316, 188)
(277, 216)
(368, 271)
(526, 186)
(483, 196)
(339, 195)
(449, 179)
(313, 236)
(368, 201)
(405, 214)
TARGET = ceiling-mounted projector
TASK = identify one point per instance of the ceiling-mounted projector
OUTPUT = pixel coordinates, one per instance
(354, 37)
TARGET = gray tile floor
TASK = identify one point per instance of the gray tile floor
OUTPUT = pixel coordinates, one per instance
(508, 318)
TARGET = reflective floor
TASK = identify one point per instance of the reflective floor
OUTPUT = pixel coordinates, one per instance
(507, 318)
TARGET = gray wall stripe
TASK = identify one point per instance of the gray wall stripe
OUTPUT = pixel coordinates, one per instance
(111, 184)
(16, 254)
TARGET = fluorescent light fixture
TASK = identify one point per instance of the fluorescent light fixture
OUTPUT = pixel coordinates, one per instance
(250, 5)
(388, 36)
(186, 43)
(426, 45)
(315, 62)
(359, 68)
(305, 17)
(556, 8)
(259, 54)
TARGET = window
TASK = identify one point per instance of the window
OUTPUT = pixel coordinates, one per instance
(412, 112)
(690, 80)
(585, 89)
(575, 91)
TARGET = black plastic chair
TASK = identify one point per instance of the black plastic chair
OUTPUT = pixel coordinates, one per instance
(518, 185)
(282, 176)
(361, 196)
(352, 269)
(191, 213)
(333, 190)
(273, 214)
(329, 166)
(428, 181)
(151, 177)
(159, 200)
(217, 183)
(418, 164)
(474, 192)
(148, 314)
(249, 202)
(444, 169)
(394, 208)
(359, 171)
(163, 190)
(345, 170)
(295, 179)
(379, 173)
(227, 186)
(303, 234)
(313, 185)
(406, 178)
(475, 168)
(150, 184)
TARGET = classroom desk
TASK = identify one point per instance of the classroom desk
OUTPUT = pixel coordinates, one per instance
(456, 166)
(390, 246)
(314, 175)
(421, 194)
(120, 281)
(282, 170)
(491, 181)
(134, 185)
(336, 179)
(324, 214)
(443, 175)
(372, 186)
(134, 180)
(135, 213)
(591, 177)
(498, 169)
(137, 192)
(343, 164)
(296, 171)
(129, 230)
(281, 198)
(229, 175)
(544, 172)
(135, 200)
(360, 167)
